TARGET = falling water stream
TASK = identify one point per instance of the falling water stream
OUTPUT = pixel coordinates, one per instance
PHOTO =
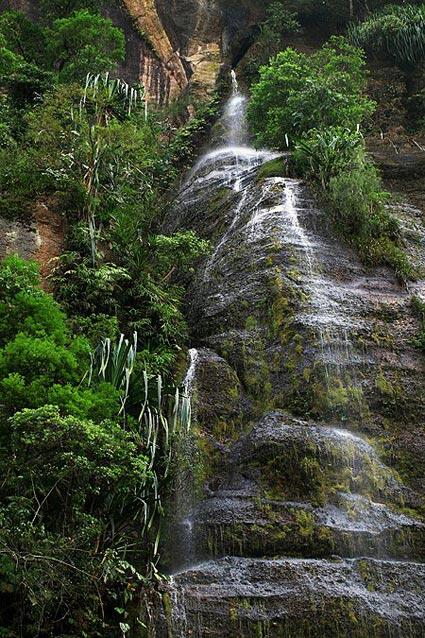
(231, 163)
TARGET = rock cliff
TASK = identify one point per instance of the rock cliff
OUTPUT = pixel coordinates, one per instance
(309, 397)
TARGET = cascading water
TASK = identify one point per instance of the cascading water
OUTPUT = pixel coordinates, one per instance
(284, 488)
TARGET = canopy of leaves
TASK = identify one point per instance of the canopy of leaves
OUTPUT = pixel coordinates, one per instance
(71, 495)
(71, 47)
(80, 481)
(84, 43)
(297, 93)
(51, 9)
(110, 166)
(22, 36)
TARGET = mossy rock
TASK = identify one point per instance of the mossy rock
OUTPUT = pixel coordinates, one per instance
(274, 168)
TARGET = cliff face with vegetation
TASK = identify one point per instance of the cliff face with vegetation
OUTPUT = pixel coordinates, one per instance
(288, 500)
(308, 390)
(175, 50)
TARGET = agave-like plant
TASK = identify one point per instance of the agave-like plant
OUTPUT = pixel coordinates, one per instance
(324, 153)
(105, 95)
(114, 363)
(397, 31)
(113, 88)
(160, 426)
(163, 420)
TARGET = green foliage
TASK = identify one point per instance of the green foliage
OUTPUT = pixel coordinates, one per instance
(97, 149)
(279, 21)
(84, 43)
(87, 439)
(82, 482)
(69, 508)
(9, 61)
(22, 47)
(274, 30)
(51, 9)
(322, 154)
(18, 181)
(397, 32)
(358, 202)
(332, 14)
(185, 142)
(354, 193)
(297, 93)
(22, 36)
(315, 104)
(418, 306)
(40, 361)
(32, 57)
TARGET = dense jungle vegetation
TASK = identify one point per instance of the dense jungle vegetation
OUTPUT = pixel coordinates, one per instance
(89, 419)
(86, 426)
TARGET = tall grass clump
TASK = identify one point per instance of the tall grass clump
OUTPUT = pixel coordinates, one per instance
(396, 31)
(353, 192)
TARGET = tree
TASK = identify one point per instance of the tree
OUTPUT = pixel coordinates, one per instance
(84, 43)
(297, 93)
(22, 36)
(40, 361)
(97, 144)
(22, 56)
(52, 9)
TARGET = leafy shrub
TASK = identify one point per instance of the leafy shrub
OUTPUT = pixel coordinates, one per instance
(80, 43)
(358, 202)
(40, 361)
(396, 31)
(185, 142)
(22, 36)
(354, 194)
(322, 154)
(359, 197)
(71, 496)
(297, 93)
(317, 102)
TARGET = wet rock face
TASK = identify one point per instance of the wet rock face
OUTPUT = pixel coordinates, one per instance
(301, 495)
(296, 488)
(294, 598)
(222, 414)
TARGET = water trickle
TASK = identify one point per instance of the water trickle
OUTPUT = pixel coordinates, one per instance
(184, 545)
(189, 380)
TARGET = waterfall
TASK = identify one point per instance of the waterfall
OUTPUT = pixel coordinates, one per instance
(232, 166)
(300, 520)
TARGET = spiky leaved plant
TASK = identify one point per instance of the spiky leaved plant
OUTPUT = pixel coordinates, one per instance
(162, 421)
(396, 31)
(103, 98)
